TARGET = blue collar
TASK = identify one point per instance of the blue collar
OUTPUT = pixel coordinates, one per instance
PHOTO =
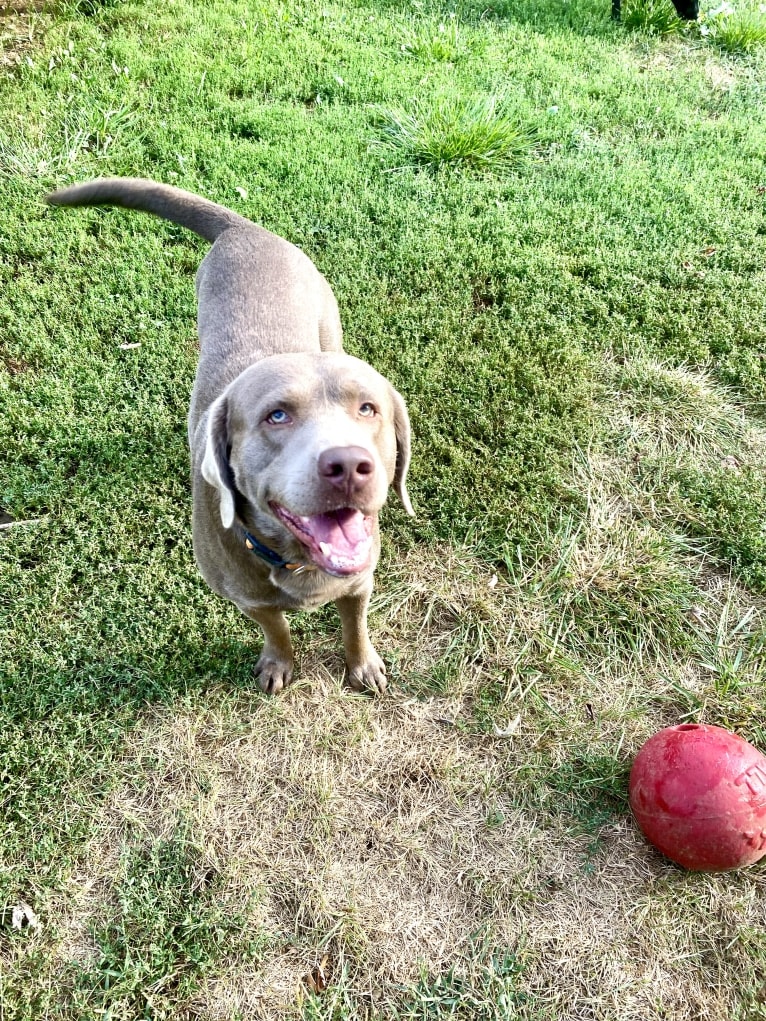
(257, 547)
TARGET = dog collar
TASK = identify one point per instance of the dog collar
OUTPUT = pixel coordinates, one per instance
(257, 547)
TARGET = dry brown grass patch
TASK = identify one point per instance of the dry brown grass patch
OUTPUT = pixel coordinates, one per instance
(375, 837)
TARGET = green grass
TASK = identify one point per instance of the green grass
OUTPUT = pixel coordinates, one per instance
(565, 278)
(164, 929)
(484, 988)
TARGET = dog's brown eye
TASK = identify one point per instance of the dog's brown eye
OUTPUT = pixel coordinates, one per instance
(278, 417)
(367, 410)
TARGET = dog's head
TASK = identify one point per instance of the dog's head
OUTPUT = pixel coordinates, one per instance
(306, 446)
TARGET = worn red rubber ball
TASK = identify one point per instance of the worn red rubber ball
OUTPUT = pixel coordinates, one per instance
(699, 795)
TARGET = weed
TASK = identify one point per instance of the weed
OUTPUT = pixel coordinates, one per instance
(450, 131)
(443, 42)
(592, 789)
(85, 133)
(97, 128)
(19, 158)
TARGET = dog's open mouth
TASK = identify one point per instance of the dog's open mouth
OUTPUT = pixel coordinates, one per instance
(339, 542)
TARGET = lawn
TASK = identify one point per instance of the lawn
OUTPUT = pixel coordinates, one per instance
(547, 229)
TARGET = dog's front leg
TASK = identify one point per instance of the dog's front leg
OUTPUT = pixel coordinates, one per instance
(366, 670)
(274, 668)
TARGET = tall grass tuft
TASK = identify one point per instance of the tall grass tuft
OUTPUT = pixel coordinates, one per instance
(442, 43)
(736, 29)
(451, 130)
(657, 17)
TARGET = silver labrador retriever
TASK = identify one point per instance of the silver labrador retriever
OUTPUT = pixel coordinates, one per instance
(293, 443)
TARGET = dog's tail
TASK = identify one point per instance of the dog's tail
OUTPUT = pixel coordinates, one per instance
(204, 217)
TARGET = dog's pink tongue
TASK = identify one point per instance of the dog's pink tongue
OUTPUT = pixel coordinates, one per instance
(343, 541)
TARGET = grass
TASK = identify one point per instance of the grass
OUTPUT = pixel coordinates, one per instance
(166, 929)
(568, 288)
(737, 29)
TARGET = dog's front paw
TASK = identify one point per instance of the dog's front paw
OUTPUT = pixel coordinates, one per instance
(369, 674)
(273, 673)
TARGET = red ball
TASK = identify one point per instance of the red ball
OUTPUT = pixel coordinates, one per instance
(699, 795)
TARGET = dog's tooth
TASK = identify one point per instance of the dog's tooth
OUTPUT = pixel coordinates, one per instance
(325, 548)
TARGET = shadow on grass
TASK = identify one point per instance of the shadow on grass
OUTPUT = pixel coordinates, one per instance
(63, 731)
(101, 685)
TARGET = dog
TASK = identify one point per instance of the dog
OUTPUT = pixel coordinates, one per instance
(294, 443)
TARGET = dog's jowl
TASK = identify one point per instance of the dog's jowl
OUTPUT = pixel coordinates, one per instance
(294, 443)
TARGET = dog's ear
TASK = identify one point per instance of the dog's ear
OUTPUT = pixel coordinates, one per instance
(402, 430)
(215, 465)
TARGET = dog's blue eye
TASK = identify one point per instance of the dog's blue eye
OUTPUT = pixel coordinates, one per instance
(278, 417)
(367, 410)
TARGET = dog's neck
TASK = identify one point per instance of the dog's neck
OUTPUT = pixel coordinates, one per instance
(256, 546)
(269, 555)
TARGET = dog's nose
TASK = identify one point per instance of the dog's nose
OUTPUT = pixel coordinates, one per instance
(347, 468)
